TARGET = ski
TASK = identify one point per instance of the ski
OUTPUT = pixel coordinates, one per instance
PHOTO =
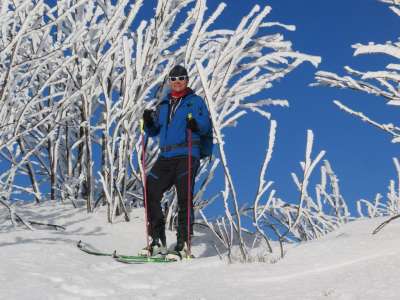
(92, 251)
(172, 256)
(143, 259)
(128, 259)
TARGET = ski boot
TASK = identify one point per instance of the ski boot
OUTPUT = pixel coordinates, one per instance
(156, 249)
(180, 251)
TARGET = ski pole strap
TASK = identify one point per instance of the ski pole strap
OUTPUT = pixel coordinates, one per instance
(176, 146)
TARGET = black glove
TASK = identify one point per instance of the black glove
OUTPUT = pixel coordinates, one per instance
(148, 118)
(192, 124)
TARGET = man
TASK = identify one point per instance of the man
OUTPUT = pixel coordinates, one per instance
(182, 111)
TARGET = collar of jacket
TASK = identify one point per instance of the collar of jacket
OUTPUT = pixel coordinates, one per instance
(179, 95)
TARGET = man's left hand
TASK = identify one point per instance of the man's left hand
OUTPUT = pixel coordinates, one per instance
(192, 124)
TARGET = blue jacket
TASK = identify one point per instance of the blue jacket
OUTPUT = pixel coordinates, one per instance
(173, 134)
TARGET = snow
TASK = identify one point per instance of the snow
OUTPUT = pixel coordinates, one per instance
(349, 263)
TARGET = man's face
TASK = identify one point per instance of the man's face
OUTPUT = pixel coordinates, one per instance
(178, 84)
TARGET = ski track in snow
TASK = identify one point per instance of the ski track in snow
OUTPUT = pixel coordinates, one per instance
(328, 268)
(348, 264)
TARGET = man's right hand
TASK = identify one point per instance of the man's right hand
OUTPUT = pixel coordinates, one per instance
(148, 118)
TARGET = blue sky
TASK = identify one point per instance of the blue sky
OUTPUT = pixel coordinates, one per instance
(360, 155)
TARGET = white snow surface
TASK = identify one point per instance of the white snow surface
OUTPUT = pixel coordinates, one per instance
(349, 263)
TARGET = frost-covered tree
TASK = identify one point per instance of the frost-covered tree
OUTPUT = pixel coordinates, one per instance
(33, 61)
(75, 77)
(383, 206)
(383, 83)
(312, 216)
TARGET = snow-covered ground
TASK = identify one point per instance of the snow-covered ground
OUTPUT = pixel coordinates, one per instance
(45, 264)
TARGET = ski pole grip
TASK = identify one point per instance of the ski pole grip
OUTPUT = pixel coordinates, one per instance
(141, 125)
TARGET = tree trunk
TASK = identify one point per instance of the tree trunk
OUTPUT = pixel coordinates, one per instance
(31, 173)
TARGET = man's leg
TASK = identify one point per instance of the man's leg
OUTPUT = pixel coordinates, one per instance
(181, 183)
(159, 180)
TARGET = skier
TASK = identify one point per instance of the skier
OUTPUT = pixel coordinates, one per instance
(181, 112)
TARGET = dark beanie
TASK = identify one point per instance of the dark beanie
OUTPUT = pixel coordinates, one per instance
(178, 71)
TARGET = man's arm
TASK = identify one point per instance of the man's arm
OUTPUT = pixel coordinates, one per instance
(151, 123)
(202, 116)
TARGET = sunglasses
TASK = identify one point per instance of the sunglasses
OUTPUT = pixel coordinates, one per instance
(178, 78)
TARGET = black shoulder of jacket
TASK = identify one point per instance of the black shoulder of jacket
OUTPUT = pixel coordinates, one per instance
(191, 92)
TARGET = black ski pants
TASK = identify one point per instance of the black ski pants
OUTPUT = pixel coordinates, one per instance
(165, 173)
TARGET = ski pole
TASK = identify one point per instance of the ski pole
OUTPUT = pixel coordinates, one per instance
(189, 197)
(144, 183)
